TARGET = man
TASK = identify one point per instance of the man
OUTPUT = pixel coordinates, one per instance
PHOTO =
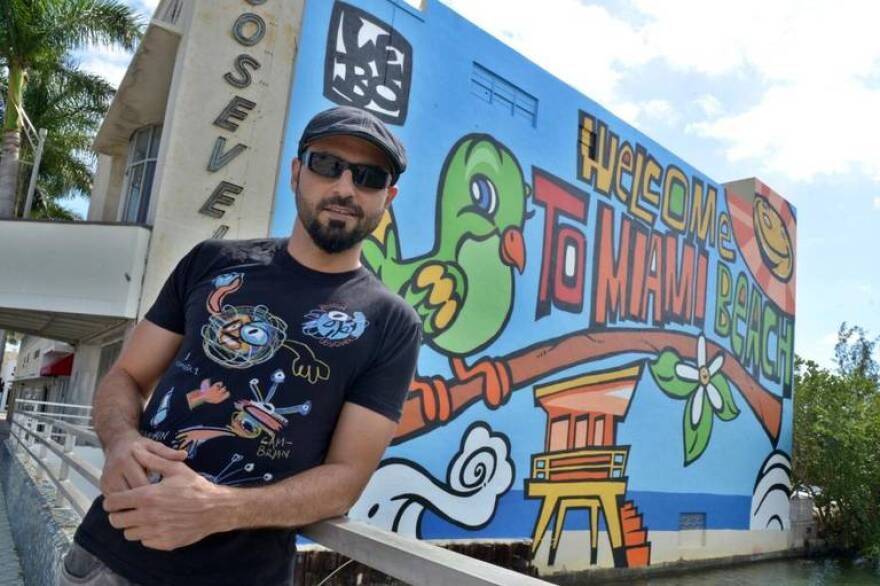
(282, 366)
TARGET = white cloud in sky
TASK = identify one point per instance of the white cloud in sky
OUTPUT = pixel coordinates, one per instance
(709, 104)
(108, 62)
(584, 45)
(150, 4)
(660, 110)
(819, 349)
(813, 62)
(877, 203)
(806, 129)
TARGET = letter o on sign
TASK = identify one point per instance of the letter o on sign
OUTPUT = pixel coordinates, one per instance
(241, 24)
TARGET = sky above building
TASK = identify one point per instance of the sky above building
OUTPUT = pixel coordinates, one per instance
(786, 91)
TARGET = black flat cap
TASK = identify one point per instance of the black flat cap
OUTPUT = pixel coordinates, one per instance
(347, 120)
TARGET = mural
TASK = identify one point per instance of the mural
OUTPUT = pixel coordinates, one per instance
(400, 491)
(609, 334)
(367, 64)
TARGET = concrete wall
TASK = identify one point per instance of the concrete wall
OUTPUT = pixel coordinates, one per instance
(86, 372)
(40, 539)
(92, 269)
(10, 359)
(83, 378)
(199, 94)
(607, 367)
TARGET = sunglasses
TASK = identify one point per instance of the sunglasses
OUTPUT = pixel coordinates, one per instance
(331, 167)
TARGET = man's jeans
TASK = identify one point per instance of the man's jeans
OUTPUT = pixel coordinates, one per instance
(79, 568)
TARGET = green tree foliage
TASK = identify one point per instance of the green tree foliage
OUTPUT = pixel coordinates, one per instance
(836, 452)
(36, 38)
(854, 352)
(70, 105)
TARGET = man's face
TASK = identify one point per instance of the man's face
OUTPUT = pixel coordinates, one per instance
(336, 213)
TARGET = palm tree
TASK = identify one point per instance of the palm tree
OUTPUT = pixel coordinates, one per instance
(36, 37)
(69, 104)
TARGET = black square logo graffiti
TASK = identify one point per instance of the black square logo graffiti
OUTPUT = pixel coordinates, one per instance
(368, 64)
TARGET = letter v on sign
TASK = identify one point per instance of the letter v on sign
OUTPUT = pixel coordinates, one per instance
(219, 158)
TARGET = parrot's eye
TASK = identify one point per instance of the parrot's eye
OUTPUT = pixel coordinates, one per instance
(484, 193)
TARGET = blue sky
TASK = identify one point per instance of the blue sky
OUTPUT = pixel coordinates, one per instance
(786, 91)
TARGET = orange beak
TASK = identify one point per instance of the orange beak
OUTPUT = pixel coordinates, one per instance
(513, 249)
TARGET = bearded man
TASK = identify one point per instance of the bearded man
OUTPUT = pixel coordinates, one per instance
(275, 372)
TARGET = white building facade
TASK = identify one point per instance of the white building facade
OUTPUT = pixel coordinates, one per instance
(188, 151)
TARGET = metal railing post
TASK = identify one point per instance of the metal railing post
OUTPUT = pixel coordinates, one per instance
(28, 429)
(42, 451)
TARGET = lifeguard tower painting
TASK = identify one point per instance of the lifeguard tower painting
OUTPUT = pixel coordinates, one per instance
(582, 467)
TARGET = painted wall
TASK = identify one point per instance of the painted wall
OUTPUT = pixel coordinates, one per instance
(607, 366)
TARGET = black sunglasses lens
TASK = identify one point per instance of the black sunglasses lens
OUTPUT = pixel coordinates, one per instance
(331, 166)
(369, 177)
(326, 165)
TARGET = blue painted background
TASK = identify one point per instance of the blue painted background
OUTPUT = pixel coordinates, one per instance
(442, 110)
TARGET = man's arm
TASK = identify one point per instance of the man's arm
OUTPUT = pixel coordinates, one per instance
(185, 507)
(325, 491)
(119, 402)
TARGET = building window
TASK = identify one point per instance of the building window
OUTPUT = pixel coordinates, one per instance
(142, 151)
(692, 530)
(494, 89)
(689, 521)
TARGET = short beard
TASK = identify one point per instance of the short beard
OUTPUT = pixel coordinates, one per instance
(333, 238)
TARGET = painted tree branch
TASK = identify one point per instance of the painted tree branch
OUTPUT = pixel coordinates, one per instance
(423, 410)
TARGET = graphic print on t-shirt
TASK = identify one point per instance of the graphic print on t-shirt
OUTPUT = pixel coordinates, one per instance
(252, 419)
(162, 411)
(228, 474)
(213, 393)
(242, 336)
(332, 326)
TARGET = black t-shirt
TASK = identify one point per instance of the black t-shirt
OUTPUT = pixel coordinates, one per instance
(271, 351)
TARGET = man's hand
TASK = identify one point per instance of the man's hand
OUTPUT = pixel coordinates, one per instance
(181, 509)
(123, 469)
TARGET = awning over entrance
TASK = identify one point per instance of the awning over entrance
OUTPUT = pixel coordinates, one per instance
(65, 327)
(70, 281)
(61, 366)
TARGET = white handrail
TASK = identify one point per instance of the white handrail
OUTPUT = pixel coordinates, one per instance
(89, 436)
(413, 561)
(410, 560)
(52, 404)
(65, 488)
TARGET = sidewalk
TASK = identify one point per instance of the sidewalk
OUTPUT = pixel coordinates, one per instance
(10, 569)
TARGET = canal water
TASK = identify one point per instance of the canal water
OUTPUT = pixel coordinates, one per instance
(812, 572)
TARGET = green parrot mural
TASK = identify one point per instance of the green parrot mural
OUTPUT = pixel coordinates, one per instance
(463, 289)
